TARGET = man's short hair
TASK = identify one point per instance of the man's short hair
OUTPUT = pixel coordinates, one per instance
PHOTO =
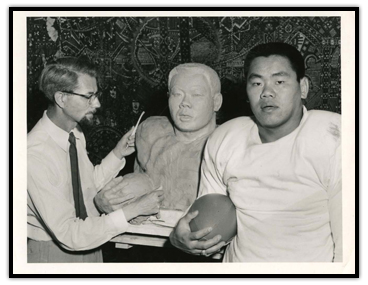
(63, 75)
(282, 49)
(198, 68)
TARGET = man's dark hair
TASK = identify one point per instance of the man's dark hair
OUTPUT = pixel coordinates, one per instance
(282, 49)
(63, 75)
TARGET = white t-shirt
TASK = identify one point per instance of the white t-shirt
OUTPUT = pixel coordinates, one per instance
(287, 193)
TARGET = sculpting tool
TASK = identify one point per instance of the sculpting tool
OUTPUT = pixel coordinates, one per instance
(136, 126)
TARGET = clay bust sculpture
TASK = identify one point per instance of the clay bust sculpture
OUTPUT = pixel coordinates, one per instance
(170, 152)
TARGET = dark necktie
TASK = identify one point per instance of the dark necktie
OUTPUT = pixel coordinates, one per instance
(80, 208)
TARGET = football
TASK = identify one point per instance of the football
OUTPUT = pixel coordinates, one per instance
(216, 211)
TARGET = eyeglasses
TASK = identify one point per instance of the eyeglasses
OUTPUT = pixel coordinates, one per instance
(90, 99)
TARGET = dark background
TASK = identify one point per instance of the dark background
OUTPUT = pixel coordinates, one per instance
(135, 55)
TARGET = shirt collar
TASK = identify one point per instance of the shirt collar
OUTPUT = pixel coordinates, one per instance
(60, 136)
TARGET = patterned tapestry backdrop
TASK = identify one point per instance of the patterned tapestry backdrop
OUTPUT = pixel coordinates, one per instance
(135, 55)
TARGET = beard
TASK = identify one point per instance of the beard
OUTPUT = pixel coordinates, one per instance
(85, 121)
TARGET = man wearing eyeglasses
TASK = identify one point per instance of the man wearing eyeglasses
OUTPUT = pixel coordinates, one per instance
(63, 223)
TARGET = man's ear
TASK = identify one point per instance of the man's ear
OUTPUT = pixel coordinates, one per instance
(304, 87)
(60, 99)
(217, 100)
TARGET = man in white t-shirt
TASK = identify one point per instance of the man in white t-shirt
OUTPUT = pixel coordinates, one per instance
(281, 168)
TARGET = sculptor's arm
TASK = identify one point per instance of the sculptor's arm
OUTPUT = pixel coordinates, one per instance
(114, 195)
(111, 198)
(114, 161)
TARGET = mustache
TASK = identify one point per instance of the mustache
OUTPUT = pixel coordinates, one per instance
(93, 112)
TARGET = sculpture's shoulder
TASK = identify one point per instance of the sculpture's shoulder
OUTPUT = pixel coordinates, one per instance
(153, 128)
(148, 133)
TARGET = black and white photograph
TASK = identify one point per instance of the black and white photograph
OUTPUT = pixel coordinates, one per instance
(200, 142)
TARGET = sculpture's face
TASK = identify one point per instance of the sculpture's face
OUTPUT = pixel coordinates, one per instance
(191, 102)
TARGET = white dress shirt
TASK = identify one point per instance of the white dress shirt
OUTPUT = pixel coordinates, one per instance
(51, 210)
